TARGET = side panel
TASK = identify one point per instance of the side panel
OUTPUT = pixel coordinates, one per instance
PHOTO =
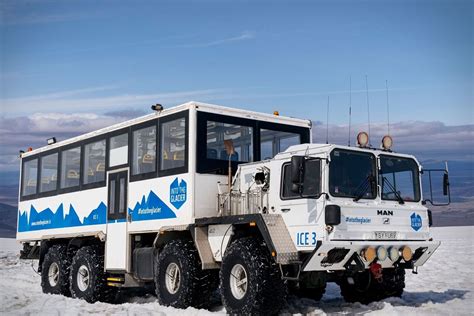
(159, 202)
(63, 215)
(206, 194)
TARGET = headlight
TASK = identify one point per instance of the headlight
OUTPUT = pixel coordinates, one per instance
(393, 253)
(407, 253)
(369, 254)
(381, 253)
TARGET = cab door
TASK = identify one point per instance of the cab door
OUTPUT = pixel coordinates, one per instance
(302, 211)
(116, 245)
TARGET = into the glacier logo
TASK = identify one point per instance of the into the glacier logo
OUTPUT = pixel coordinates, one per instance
(416, 222)
(178, 193)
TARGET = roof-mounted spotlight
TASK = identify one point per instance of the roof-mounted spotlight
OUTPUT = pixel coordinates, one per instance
(387, 142)
(22, 152)
(51, 140)
(362, 139)
(157, 107)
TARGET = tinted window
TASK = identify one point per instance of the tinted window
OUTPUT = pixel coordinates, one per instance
(352, 174)
(241, 138)
(144, 150)
(30, 175)
(70, 167)
(312, 180)
(118, 154)
(399, 175)
(94, 162)
(173, 144)
(274, 142)
(49, 173)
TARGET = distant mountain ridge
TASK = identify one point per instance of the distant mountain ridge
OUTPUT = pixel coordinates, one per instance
(8, 220)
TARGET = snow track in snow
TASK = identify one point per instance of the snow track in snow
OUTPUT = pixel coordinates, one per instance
(444, 286)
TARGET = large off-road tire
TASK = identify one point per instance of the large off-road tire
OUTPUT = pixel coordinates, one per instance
(250, 280)
(55, 271)
(179, 280)
(87, 277)
(312, 285)
(393, 282)
(367, 289)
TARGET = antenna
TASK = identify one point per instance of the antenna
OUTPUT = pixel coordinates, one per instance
(368, 106)
(350, 111)
(388, 108)
(327, 123)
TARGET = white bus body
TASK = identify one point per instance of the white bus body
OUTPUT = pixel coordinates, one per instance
(148, 200)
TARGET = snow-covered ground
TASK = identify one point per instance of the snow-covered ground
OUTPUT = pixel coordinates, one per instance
(444, 286)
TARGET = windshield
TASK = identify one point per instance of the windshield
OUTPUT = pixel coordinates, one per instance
(398, 178)
(351, 174)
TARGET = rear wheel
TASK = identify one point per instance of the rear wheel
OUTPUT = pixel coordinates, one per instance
(87, 276)
(179, 280)
(251, 282)
(55, 271)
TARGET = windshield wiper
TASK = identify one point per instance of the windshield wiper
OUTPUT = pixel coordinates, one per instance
(394, 191)
(365, 184)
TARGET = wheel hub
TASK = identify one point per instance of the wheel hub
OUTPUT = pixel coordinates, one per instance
(83, 278)
(238, 281)
(172, 278)
(53, 274)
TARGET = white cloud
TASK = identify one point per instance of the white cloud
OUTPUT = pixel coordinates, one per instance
(428, 140)
(62, 100)
(246, 35)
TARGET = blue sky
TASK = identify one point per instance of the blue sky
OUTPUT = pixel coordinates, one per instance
(252, 54)
(68, 67)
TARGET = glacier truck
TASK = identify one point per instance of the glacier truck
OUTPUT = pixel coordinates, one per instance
(202, 198)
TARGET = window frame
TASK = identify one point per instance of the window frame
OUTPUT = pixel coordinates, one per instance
(302, 131)
(282, 178)
(41, 156)
(60, 168)
(108, 136)
(416, 179)
(84, 143)
(23, 161)
(147, 175)
(206, 165)
(161, 121)
(376, 174)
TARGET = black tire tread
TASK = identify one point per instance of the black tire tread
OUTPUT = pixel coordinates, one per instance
(57, 253)
(266, 290)
(392, 285)
(98, 291)
(197, 285)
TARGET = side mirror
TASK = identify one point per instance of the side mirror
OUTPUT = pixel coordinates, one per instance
(445, 184)
(438, 192)
(298, 164)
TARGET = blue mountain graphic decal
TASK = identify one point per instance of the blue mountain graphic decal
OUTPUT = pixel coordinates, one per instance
(46, 219)
(151, 207)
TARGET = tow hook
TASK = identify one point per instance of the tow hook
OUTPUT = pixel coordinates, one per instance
(376, 270)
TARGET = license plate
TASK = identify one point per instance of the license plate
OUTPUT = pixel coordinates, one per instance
(385, 235)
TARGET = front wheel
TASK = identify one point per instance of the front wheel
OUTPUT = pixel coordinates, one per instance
(364, 288)
(251, 282)
(179, 280)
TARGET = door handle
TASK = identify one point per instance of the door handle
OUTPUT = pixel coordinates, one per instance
(284, 210)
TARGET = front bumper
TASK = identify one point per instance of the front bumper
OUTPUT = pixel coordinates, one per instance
(349, 251)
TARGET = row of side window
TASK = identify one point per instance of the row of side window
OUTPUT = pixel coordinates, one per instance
(67, 164)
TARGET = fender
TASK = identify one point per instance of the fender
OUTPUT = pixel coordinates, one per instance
(270, 227)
